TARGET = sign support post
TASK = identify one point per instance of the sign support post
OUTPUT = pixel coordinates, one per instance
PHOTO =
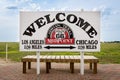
(82, 63)
(82, 57)
(38, 62)
(6, 52)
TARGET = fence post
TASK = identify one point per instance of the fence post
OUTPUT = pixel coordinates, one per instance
(6, 52)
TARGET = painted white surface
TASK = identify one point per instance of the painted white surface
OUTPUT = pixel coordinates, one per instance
(38, 62)
(82, 63)
(27, 18)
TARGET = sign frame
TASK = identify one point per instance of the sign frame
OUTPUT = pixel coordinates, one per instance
(87, 23)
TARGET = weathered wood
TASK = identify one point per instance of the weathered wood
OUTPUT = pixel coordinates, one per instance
(45, 58)
(90, 66)
(47, 67)
(29, 65)
(24, 67)
(95, 68)
(48, 59)
(72, 67)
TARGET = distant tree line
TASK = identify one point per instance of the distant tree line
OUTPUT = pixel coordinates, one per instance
(111, 41)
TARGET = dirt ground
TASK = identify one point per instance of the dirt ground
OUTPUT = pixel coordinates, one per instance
(60, 71)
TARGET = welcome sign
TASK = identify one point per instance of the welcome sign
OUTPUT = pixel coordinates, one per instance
(60, 31)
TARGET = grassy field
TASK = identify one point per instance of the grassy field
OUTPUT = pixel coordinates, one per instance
(110, 52)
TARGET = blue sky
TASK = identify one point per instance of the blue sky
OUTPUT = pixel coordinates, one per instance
(9, 15)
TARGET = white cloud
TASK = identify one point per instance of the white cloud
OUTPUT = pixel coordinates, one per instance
(35, 6)
(31, 7)
(12, 7)
(52, 9)
(100, 8)
(27, 5)
(22, 1)
(115, 12)
(106, 12)
(64, 9)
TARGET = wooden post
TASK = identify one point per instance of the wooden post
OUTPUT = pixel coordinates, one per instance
(24, 67)
(6, 52)
(72, 67)
(90, 66)
(29, 65)
(47, 67)
(95, 68)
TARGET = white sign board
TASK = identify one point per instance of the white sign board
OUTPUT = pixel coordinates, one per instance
(60, 31)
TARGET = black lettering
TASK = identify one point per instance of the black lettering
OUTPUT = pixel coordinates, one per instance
(81, 47)
(59, 18)
(77, 42)
(91, 32)
(48, 19)
(24, 41)
(30, 30)
(71, 18)
(96, 42)
(27, 46)
(40, 22)
(82, 24)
